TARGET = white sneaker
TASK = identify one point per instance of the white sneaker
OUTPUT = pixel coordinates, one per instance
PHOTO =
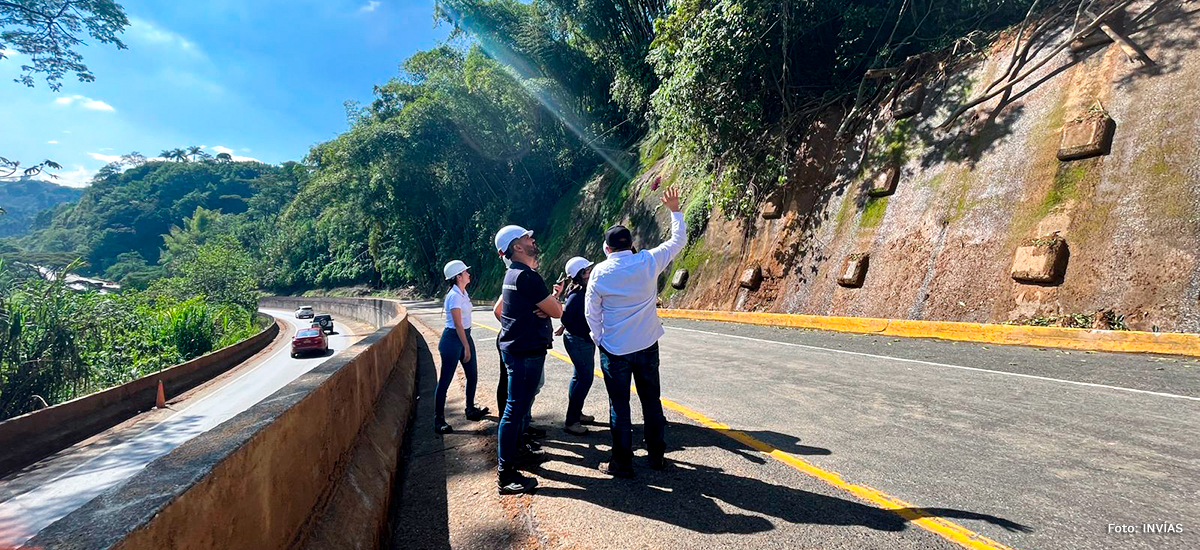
(576, 428)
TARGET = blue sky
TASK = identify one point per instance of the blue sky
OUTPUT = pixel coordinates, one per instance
(264, 79)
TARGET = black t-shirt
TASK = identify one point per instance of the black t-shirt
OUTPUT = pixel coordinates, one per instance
(522, 332)
(573, 318)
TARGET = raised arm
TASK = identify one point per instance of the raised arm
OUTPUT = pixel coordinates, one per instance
(665, 252)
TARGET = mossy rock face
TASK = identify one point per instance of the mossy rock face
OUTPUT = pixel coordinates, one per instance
(680, 279)
(910, 103)
(1041, 261)
(854, 270)
(1086, 137)
(884, 183)
(751, 278)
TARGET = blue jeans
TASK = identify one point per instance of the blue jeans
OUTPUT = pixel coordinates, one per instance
(451, 350)
(583, 355)
(642, 367)
(524, 373)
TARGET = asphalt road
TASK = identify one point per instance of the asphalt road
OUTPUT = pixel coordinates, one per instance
(39, 495)
(794, 438)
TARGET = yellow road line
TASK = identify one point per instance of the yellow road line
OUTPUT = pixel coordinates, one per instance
(1125, 341)
(946, 529)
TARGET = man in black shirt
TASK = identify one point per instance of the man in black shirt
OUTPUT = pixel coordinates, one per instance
(525, 335)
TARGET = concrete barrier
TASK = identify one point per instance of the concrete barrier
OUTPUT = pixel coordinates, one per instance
(266, 478)
(32, 436)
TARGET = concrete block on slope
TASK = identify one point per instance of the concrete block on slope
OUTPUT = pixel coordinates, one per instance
(751, 278)
(1041, 261)
(1087, 136)
(854, 270)
(680, 279)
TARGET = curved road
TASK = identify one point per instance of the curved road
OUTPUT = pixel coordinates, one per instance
(40, 494)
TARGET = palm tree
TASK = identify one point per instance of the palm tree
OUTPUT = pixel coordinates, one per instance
(180, 155)
(224, 157)
(167, 154)
(196, 152)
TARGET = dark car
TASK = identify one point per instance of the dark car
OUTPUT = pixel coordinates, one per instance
(309, 340)
(325, 321)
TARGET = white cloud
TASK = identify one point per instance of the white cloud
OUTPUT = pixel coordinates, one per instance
(79, 177)
(66, 131)
(85, 102)
(370, 7)
(236, 158)
(140, 29)
(7, 53)
(52, 142)
(106, 148)
(105, 158)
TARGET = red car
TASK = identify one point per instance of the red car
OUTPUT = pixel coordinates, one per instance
(309, 340)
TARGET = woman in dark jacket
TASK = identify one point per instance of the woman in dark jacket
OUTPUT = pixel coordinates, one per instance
(578, 341)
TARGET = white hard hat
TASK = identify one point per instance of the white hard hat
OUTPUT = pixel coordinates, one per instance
(453, 268)
(508, 234)
(575, 265)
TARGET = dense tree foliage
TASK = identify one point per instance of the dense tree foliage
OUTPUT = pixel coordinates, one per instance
(25, 199)
(57, 343)
(117, 227)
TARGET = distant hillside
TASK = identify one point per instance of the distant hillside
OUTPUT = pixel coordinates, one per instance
(25, 198)
(123, 215)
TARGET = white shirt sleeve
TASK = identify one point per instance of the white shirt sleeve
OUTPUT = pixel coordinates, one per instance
(665, 252)
(592, 305)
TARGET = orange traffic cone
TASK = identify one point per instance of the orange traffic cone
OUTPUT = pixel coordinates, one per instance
(161, 401)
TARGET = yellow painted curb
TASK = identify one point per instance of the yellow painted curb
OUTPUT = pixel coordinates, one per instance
(1167, 343)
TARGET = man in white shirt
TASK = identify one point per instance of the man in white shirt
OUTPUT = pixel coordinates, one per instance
(620, 309)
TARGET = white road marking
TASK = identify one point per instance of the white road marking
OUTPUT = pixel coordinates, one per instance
(918, 361)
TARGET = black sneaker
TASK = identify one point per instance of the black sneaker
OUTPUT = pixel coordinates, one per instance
(527, 455)
(474, 414)
(616, 469)
(532, 444)
(441, 427)
(657, 462)
(513, 483)
(533, 433)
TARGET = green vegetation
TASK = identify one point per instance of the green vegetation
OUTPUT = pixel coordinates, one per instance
(873, 212)
(57, 343)
(28, 199)
(117, 227)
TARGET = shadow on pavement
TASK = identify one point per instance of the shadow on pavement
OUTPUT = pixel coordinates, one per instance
(686, 494)
(419, 517)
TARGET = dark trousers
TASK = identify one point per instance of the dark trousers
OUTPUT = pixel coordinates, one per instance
(524, 373)
(583, 356)
(642, 368)
(451, 350)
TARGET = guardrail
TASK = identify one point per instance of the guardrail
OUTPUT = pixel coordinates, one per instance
(269, 477)
(31, 436)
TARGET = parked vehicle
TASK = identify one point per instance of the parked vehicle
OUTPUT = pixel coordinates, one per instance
(325, 321)
(308, 340)
(304, 312)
